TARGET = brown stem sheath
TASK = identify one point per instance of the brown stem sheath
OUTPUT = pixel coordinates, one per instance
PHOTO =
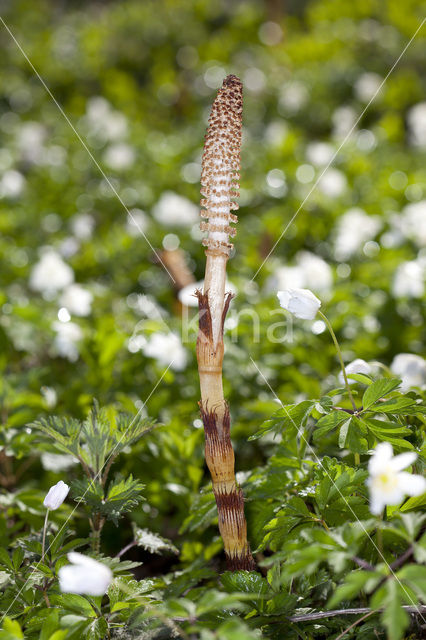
(218, 447)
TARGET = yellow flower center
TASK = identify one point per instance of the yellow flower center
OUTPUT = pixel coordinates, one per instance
(386, 481)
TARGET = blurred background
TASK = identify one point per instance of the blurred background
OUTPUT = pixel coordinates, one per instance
(87, 309)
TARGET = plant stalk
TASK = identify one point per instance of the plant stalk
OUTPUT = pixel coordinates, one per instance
(339, 355)
(220, 167)
(43, 544)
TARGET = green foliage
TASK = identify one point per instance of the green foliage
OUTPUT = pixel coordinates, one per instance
(136, 80)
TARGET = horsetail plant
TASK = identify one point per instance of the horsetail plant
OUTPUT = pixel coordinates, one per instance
(219, 185)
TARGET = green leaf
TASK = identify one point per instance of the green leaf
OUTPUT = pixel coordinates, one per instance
(385, 427)
(17, 557)
(420, 550)
(329, 422)
(343, 432)
(291, 417)
(379, 389)
(360, 377)
(415, 576)
(75, 603)
(353, 584)
(398, 405)
(413, 523)
(152, 542)
(394, 618)
(235, 629)
(244, 581)
(5, 558)
(213, 600)
(123, 495)
(11, 630)
(50, 624)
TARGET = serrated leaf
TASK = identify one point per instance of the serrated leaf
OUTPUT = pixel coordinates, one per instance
(379, 389)
(244, 581)
(152, 542)
(394, 618)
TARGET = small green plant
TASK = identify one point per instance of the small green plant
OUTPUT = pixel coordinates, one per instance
(96, 443)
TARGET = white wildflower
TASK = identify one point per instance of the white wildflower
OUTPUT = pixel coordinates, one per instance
(137, 222)
(286, 277)
(56, 495)
(408, 280)
(103, 121)
(57, 461)
(119, 156)
(167, 349)
(12, 184)
(367, 85)
(293, 97)
(68, 334)
(388, 483)
(302, 303)
(84, 575)
(51, 273)
(31, 136)
(77, 300)
(319, 153)
(413, 222)
(411, 368)
(344, 119)
(354, 228)
(82, 225)
(310, 272)
(172, 209)
(333, 183)
(317, 274)
(416, 119)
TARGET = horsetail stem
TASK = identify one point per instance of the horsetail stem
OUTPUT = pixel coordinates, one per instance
(219, 180)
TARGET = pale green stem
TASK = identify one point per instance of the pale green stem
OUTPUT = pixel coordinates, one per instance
(339, 355)
(380, 537)
(43, 544)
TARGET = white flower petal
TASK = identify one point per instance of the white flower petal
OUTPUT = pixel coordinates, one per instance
(380, 459)
(411, 483)
(284, 298)
(377, 503)
(300, 302)
(403, 460)
(84, 575)
(56, 495)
